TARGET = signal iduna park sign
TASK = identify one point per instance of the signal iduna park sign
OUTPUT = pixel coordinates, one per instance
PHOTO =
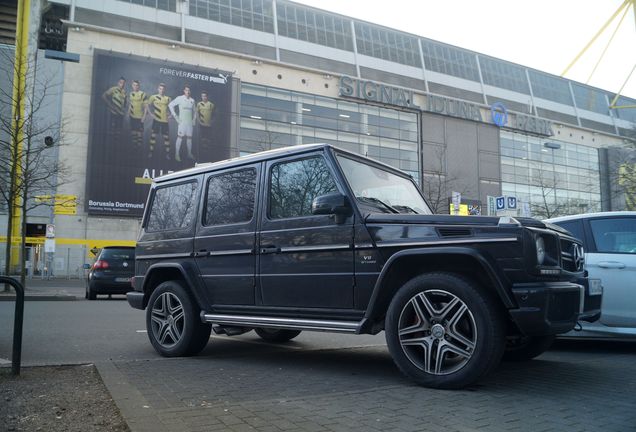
(498, 114)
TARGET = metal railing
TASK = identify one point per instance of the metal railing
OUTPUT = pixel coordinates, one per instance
(16, 357)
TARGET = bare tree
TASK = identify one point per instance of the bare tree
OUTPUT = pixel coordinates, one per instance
(437, 183)
(28, 141)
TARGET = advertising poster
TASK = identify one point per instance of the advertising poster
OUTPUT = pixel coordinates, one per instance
(149, 118)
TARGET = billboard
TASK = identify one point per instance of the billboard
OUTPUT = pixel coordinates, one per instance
(149, 118)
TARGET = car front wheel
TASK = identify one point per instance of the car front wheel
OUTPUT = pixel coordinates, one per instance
(443, 331)
(173, 323)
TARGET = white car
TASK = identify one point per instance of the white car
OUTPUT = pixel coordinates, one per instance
(609, 240)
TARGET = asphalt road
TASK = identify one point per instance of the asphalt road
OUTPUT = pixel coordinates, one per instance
(71, 332)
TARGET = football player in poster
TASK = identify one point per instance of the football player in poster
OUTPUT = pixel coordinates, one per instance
(115, 99)
(185, 118)
(157, 107)
(137, 100)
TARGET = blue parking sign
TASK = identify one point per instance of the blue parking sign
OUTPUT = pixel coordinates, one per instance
(500, 203)
(512, 202)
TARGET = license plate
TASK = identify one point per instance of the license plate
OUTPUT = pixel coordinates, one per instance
(595, 287)
(122, 279)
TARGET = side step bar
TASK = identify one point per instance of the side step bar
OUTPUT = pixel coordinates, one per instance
(282, 323)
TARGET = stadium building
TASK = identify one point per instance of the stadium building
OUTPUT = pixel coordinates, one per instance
(243, 76)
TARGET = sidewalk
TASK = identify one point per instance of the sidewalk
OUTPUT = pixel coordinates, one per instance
(48, 289)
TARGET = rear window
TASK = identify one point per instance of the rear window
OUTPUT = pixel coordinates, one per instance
(173, 207)
(122, 254)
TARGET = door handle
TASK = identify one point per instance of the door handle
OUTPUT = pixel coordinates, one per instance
(611, 265)
(269, 249)
(200, 253)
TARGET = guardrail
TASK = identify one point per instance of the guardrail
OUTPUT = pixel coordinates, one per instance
(17, 324)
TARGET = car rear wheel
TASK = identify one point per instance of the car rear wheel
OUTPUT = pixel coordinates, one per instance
(90, 293)
(276, 335)
(522, 348)
(173, 323)
(443, 331)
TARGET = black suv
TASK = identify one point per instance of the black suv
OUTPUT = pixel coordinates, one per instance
(315, 238)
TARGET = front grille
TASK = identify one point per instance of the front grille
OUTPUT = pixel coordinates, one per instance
(564, 306)
(571, 256)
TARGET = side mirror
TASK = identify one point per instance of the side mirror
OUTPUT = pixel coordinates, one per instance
(333, 203)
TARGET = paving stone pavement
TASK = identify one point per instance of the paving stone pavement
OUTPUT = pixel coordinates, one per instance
(359, 389)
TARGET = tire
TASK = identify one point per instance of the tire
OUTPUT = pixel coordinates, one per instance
(523, 348)
(275, 335)
(90, 293)
(443, 331)
(173, 323)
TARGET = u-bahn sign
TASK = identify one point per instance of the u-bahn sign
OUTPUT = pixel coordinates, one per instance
(498, 114)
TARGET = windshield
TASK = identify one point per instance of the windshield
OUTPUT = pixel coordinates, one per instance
(382, 191)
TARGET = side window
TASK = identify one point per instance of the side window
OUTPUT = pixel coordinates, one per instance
(616, 235)
(173, 207)
(294, 185)
(230, 198)
(575, 227)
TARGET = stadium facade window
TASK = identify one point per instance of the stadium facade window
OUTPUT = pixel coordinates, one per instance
(273, 118)
(450, 60)
(590, 99)
(378, 42)
(313, 26)
(251, 14)
(628, 114)
(504, 75)
(168, 5)
(566, 178)
(550, 87)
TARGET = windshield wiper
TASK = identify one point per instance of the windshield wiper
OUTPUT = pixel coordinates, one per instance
(377, 201)
(406, 208)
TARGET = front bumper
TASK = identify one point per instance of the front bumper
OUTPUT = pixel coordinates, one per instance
(553, 307)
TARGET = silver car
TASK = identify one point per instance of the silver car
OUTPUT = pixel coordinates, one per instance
(609, 239)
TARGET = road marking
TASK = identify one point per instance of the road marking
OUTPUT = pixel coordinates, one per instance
(142, 331)
(4, 361)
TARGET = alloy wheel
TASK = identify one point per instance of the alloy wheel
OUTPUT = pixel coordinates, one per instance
(168, 320)
(437, 332)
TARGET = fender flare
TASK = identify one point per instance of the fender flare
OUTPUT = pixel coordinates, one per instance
(489, 269)
(192, 284)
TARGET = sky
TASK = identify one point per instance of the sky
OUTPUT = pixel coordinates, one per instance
(542, 34)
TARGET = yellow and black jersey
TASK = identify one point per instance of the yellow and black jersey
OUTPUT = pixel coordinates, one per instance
(138, 100)
(116, 100)
(158, 106)
(204, 113)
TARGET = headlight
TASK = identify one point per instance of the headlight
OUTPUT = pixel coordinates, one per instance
(540, 247)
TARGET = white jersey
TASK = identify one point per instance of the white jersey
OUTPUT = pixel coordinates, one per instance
(186, 110)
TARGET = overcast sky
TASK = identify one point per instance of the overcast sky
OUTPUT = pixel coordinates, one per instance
(543, 34)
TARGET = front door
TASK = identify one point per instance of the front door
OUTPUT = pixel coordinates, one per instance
(305, 260)
(613, 260)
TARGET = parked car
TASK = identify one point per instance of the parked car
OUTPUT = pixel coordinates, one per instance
(111, 272)
(609, 239)
(316, 238)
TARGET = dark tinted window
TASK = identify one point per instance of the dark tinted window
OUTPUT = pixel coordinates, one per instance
(616, 235)
(121, 254)
(575, 227)
(173, 207)
(230, 198)
(294, 185)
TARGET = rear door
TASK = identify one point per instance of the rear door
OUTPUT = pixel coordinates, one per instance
(224, 245)
(612, 258)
